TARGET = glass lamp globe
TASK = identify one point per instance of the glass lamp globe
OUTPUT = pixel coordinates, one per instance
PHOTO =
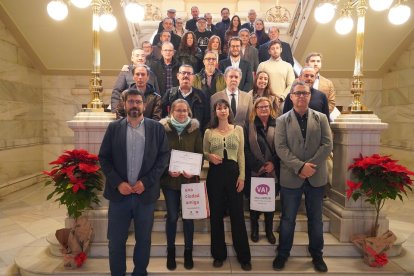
(325, 12)
(81, 3)
(399, 14)
(134, 12)
(380, 5)
(107, 22)
(57, 9)
(344, 25)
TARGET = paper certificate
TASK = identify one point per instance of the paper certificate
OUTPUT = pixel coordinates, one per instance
(189, 162)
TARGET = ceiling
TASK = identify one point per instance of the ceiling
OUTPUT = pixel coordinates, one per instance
(66, 47)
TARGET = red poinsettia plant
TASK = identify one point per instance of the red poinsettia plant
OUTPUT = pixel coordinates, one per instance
(77, 178)
(378, 178)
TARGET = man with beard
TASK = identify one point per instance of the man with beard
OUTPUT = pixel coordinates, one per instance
(152, 98)
(223, 25)
(318, 100)
(168, 25)
(234, 59)
(264, 49)
(303, 141)
(191, 25)
(248, 52)
(126, 79)
(199, 104)
(132, 185)
(241, 103)
(280, 72)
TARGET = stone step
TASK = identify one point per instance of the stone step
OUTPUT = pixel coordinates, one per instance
(201, 247)
(35, 260)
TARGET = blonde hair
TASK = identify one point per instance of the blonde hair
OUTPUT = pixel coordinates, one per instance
(253, 114)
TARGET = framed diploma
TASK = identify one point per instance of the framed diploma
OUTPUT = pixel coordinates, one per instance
(189, 162)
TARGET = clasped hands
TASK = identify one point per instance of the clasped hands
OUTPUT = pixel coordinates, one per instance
(308, 170)
(267, 167)
(126, 189)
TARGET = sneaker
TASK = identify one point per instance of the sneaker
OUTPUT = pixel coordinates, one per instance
(246, 266)
(319, 264)
(279, 263)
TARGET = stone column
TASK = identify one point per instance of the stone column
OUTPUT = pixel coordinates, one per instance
(354, 134)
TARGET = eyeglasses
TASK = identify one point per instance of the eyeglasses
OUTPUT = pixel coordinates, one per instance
(263, 107)
(186, 73)
(210, 59)
(131, 102)
(181, 110)
(301, 93)
(168, 50)
(235, 46)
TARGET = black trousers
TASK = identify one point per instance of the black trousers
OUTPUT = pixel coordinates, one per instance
(222, 192)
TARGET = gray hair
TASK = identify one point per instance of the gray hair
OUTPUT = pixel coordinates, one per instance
(232, 68)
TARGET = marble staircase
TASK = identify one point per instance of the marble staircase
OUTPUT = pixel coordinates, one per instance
(43, 257)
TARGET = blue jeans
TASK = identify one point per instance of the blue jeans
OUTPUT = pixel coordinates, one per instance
(172, 200)
(119, 220)
(290, 200)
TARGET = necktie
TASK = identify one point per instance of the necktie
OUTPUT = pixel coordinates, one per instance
(233, 104)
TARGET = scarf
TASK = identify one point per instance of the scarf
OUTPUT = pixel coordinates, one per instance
(179, 126)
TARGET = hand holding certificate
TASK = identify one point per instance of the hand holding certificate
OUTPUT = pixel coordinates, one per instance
(184, 161)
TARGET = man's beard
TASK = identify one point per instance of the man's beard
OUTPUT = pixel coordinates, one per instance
(134, 113)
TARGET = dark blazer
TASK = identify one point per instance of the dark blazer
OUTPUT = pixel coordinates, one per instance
(249, 26)
(318, 102)
(159, 71)
(251, 55)
(113, 159)
(175, 40)
(246, 83)
(294, 151)
(191, 25)
(286, 53)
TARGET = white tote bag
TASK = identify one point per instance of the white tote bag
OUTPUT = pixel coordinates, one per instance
(194, 201)
(262, 194)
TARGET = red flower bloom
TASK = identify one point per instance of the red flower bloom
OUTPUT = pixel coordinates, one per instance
(380, 260)
(88, 168)
(79, 185)
(352, 187)
(51, 173)
(80, 259)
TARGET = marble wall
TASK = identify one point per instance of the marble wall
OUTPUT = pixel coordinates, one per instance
(397, 109)
(21, 114)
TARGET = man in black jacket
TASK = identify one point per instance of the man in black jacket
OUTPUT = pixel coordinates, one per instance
(199, 104)
(168, 25)
(166, 68)
(191, 25)
(223, 25)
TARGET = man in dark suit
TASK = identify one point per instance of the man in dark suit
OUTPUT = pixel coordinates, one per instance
(318, 100)
(264, 49)
(191, 25)
(250, 24)
(168, 25)
(210, 26)
(132, 182)
(223, 25)
(248, 52)
(171, 14)
(303, 141)
(234, 59)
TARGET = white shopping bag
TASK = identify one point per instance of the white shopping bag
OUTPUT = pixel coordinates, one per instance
(262, 194)
(194, 201)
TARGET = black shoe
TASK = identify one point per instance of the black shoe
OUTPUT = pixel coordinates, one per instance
(188, 259)
(269, 229)
(171, 264)
(319, 264)
(279, 263)
(255, 231)
(217, 263)
(270, 237)
(246, 266)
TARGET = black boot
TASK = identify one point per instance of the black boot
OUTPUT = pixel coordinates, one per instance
(171, 264)
(188, 258)
(254, 217)
(269, 227)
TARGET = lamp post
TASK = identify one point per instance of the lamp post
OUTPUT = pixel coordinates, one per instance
(324, 13)
(101, 18)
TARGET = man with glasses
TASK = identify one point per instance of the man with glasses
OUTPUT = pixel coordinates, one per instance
(241, 103)
(132, 182)
(318, 100)
(303, 141)
(199, 104)
(209, 80)
(166, 68)
(251, 15)
(235, 60)
(210, 26)
(202, 34)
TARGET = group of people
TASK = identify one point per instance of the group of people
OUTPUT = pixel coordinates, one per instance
(248, 119)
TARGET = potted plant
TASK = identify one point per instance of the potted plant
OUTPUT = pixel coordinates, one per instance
(377, 178)
(77, 179)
